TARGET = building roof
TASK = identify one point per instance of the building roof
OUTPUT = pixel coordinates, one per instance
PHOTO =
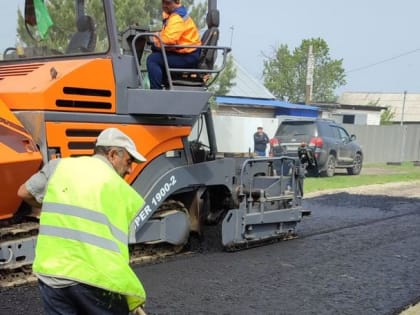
(280, 107)
(332, 106)
(248, 86)
(405, 105)
(248, 101)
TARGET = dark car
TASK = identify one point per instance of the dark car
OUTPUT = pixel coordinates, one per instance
(331, 144)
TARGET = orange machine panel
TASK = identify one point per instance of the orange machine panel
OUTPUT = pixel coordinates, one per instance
(19, 159)
(76, 139)
(82, 85)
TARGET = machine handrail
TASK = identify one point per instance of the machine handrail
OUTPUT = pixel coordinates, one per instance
(225, 50)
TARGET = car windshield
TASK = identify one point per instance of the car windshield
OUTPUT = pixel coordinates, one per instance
(295, 128)
(39, 29)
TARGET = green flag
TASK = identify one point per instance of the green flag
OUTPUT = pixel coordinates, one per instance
(43, 19)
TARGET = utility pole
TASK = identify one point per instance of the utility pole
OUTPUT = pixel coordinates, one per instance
(231, 35)
(309, 76)
(403, 109)
(402, 129)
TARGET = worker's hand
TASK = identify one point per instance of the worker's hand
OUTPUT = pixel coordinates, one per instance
(150, 41)
(139, 311)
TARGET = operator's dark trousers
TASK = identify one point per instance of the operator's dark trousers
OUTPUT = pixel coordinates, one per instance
(156, 67)
(81, 299)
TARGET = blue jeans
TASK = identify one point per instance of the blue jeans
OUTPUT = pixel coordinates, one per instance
(81, 299)
(260, 153)
(156, 68)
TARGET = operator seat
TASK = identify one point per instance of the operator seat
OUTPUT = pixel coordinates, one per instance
(207, 57)
(210, 38)
(84, 40)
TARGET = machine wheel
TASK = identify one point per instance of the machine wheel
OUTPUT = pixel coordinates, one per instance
(329, 172)
(357, 165)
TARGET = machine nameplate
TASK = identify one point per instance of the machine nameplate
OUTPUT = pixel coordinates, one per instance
(158, 196)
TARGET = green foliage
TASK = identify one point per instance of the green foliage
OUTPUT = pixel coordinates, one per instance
(387, 116)
(285, 72)
(65, 24)
(145, 13)
(134, 12)
(198, 13)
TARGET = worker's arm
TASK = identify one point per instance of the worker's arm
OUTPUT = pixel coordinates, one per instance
(28, 197)
(33, 190)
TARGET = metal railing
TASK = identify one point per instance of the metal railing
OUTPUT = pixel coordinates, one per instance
(169, 70)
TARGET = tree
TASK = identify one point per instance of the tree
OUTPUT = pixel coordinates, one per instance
(145, 13)
(285, 73)
(387, 116)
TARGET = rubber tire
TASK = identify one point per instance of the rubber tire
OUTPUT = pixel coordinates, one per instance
(357, 165)
(330, 171)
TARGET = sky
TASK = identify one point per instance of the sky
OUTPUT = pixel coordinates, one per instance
(378, 40)
(8, 16)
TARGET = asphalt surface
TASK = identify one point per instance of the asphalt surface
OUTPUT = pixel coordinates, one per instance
(359, 253)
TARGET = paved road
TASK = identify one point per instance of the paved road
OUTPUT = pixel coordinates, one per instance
(359, 253)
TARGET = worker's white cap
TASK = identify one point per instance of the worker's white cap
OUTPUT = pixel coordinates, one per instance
(113, 137)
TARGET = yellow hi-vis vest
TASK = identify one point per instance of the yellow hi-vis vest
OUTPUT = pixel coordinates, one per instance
(85, 217)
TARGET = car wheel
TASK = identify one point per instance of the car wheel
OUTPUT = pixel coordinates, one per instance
(329, 172)
(357, 165)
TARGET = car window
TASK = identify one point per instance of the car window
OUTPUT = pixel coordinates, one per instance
(335, 133)
(325, 130)
(295, 128)
(343, 134)
(53, 35)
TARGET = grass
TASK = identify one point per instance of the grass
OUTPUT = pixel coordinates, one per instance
(378, 173)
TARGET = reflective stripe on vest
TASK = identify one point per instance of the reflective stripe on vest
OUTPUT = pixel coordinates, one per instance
(79, 236)
(87, 214)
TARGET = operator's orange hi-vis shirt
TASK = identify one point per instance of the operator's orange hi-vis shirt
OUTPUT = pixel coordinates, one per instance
(179, 30)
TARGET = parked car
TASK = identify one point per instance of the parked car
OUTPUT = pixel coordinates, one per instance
(331, 144)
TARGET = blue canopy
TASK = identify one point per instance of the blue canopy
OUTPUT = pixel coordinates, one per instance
(280, 107)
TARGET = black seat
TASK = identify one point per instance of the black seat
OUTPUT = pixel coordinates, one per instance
(207, 57)
(84, 40)
(210, 38)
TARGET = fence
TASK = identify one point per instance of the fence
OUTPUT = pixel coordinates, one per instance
(394, 143)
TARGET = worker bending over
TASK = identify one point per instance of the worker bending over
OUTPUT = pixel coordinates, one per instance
(81, 255)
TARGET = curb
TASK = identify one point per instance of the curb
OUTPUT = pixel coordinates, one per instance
(412, 310)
